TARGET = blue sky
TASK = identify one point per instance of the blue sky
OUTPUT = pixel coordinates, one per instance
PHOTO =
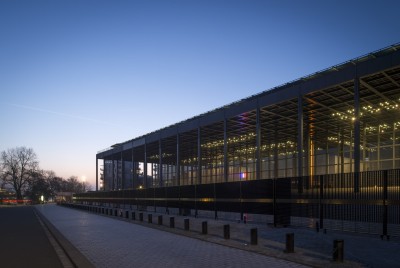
(77, 76)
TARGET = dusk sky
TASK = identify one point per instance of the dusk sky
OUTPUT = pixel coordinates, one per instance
(78, 76)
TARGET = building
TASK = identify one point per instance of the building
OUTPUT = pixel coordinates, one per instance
(330, 129)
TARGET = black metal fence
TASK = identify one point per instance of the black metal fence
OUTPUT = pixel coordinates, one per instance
(367, 202)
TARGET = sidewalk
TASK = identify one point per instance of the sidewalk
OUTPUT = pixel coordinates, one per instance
(108, 242)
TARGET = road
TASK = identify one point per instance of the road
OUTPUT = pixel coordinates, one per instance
(23, 241)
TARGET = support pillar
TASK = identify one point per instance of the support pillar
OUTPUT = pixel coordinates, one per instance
(356, 134)
(145, 166)
(160, 175)
(97, 174)
(134, 169)
(300, 140)
(198, 156)
(258, 145)
(122, 184)
(226, 162)
(178, 162)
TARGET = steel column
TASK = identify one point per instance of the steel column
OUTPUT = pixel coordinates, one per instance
(160, 175)
(300, 140)
(122, 184)
(226, 168)
(97, 174)
(145, 166)
(356, 134)
(178, 162)
(134, 170)
(258, 145)
(198, 156)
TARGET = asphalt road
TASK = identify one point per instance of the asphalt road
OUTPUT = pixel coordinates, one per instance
(23, 242)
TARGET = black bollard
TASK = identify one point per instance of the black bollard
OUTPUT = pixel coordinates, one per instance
(171, 222)
(160, 220)
(289, 243)
(338, 247)
(127, 214)
(204, 229)
(227, 231)
(253, 236)
(186, 221)
(133, 215)
(150, 218)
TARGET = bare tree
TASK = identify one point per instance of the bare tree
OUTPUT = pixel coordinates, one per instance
(18, 166)
(74, 185)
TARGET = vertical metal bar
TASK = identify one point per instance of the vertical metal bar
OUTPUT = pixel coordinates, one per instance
(199, 171)
(122, 185)
(160, 163)
(258, 144)
(321, 205)
(385, 206)
(300, 140)
(364, 152)
(341, 152)
(178, 161)
(379, 146)
(275, 208)
(276, 152)
(97, 174)
(134, 169)
(226, 167)
(113, 173)
(356, 134)
(393, 146)
(198, 156)
(306, 162)
(145, 165)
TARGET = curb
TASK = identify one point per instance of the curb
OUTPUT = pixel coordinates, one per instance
(74, 255)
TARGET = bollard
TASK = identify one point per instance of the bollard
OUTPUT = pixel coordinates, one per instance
(159, 219)
(227, 231)
(133, 216)
(102, 210)
(338, 246)
(186, 221)
(204, 227)
(127, 214)
(289, 243)
(171, 222)
(116, 212)
(253, 236)
(317, 226)
(140, 216)
(149, 218)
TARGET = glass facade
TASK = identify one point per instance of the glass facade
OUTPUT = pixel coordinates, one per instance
(330, 127)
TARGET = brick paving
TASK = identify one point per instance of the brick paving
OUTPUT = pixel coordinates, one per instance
(108, 242)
